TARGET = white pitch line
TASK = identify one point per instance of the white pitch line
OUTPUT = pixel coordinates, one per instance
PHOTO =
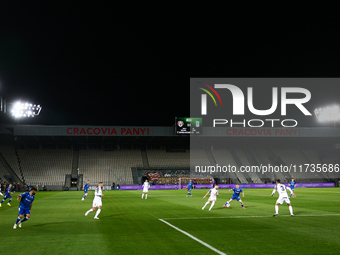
(255, 216)
(107, 196)
(194, 238)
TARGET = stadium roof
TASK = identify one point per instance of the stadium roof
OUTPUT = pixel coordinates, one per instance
(102, 135)
(155, 131)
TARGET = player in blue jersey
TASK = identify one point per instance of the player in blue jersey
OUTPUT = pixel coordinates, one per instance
(190, 185)
(237, 191)
(8, 195)
(25, 206)
(292, 185)
(86, 188)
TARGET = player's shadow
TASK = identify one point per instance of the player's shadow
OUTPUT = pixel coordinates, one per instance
(51, 223)
(111, 216)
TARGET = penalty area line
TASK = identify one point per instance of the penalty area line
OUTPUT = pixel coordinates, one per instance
(194, 238)
(254, 216)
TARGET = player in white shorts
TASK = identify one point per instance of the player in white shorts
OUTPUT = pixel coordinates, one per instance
(283, 197)
(213, 196)
(97, 201)
(0, 191)
(146, 186)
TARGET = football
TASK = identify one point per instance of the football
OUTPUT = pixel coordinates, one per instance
(228, 205)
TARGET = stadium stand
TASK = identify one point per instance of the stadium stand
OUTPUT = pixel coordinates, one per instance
(109, 166)
(51, 163)
(3, 172)
(199, 157)
(263, 158)
(223, 157)
(50, 166)
(46, 166)
(244, 161)
(294, 157)
(330, 161)
(9, 154)
(162, 158)
(312, 157)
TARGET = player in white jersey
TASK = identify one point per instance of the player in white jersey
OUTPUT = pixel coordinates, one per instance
(0, 191)
(146, 186)
(213, 196)
(97, 201)
(283, 197)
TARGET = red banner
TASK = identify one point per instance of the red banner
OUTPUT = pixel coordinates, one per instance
(262, 132)
(100, 131)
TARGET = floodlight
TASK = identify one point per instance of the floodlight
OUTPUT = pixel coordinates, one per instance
(328, 114)
(20, 109)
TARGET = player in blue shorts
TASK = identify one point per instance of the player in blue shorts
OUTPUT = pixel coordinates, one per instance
(236, 195)
(292, 185)
(190, 185)
(86, 188)
(8, 195)
(25, 206)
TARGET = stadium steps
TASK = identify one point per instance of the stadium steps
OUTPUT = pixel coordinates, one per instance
(67, 181)
(134, 175)
(253, 162)
(145, 159)
(3, 174)
(3, 180)
(14, 176)
(277, 161)
(75, 163)
(80, 181)
(321, 176)
(19, 166)
(242, 161)
(210, 157)
(242, 176)
(268, 177)
(8, 152)
(223, 157)
(3, 171)
(266, 159)
(332, 161)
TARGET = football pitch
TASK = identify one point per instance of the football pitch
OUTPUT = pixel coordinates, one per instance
(168, 222)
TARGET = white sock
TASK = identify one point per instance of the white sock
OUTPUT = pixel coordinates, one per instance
(212, 204)
(290, 209)
(91, 210)
(98, 212)
(205, 204)
(142, 195)
(276, 209)
(146, 196)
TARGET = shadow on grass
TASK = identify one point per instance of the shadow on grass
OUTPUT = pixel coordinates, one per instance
(48, 224)
(111, 216)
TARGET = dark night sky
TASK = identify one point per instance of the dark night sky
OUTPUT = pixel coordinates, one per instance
(95, 65)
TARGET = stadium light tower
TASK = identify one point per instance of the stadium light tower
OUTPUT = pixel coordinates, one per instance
(2, 105)
(328, 114)
(24, 110)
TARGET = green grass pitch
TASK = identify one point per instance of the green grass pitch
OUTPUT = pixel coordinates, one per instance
(129, 225)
